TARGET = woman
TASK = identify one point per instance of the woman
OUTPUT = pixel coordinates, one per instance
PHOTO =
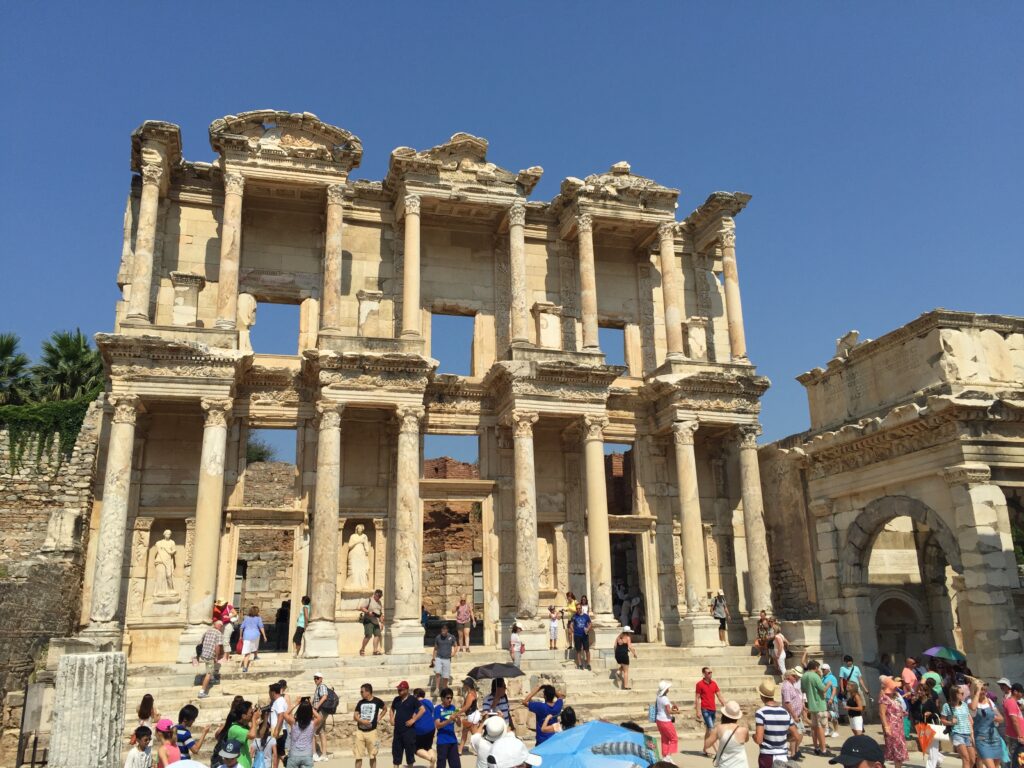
(568, 613)
(764, 628)
(242, 725)
(147, 711)
(566, 719)
(252, 631)
(166, 746)
(464, 621)
(302, 724)
(985, 717)
(664, 710)
(300, 625)
(891, 712)
(623, 647)
(729, 738)
(584, 605)
(855, 708)
(469, 713)
(516, 646)
(956, 716)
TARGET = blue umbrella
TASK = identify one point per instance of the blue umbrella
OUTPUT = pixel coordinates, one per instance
(597, 744)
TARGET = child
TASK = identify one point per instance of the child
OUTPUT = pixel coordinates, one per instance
(553, 626)
(516, 645)
(187, 745)
(167, 751)
(138, 756)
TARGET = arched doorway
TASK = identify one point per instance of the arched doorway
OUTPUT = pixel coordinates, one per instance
(900, 627)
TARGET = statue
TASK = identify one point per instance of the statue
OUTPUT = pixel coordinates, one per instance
(544, 576)
(358, 559)
(245, 319)
(163, 567)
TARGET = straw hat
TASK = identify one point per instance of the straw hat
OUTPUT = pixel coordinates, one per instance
(767, 689)
(663, 686)
(732, 710)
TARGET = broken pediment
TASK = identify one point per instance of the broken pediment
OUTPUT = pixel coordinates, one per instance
(269, 134)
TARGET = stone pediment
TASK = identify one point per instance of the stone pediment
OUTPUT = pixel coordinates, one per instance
(618, 185)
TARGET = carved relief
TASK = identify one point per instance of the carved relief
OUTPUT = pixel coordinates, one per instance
(359, 557)
(164, 551)
(412, 204)
(335, 194)
(234, 183)
(585, 223)
(330, 414)
(594, 426)
(126, 408)
(748, 435)
(152, 173)
(409, 418)
(517, 214)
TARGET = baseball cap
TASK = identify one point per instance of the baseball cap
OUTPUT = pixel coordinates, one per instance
(164, 725)
(318, 674)
(856, 749)
(231, 749)
(1004, 681)
(511, 752)
(403, 684)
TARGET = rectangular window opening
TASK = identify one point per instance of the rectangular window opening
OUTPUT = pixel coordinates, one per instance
(619, 477)
(451, 343)
(451, 457)
(270, 468)
(613, 344)
(275, 330)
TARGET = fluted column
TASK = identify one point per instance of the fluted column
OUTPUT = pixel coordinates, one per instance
(110, 544)
(527, 578)
(330, 316)
(753, 522)
(230, 251)
(411, 273)
(694, 564)
(733, 306)
(672, 289)
(588, 281)
(598, 539)
(407, 552)
(145, 239)
(517, 253)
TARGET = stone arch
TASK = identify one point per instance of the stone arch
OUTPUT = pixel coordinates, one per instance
(861, 535)
(895, 593)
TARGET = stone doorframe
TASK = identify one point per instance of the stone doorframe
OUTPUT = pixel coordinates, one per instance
(645, 527)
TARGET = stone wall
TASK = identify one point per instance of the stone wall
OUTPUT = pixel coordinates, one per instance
(269, 484)
(452, 539)
(268, 554)
(448, 468)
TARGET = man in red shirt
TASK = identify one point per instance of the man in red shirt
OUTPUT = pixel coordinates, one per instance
(1012, 695)
(707, 690)
(909, 675)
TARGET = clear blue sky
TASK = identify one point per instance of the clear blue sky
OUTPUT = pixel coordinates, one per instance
(882, 142)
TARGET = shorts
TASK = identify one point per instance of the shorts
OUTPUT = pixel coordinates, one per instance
(553, 630)
(370, 629)
(819, 719)
(297, 637)
(708, 716)
(424, 740)
(721, 623)
(961, 740)
(857, 722)
(767, 761)
(403, 742)
(459, 626)
(366, 744)
(250, 646)
(212, 667)
(581, 642)
(443, 667)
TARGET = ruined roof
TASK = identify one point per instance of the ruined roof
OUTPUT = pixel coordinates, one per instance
(299, 135)
(167, 134)
(718, 204)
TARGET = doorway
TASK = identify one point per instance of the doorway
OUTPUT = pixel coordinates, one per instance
(628, 605)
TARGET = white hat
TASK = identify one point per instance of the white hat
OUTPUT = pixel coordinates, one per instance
(824, 665)
(627, 628)
(663, 686)
(510, 752)
(494, 727)
(318, 674)
(1004, 681)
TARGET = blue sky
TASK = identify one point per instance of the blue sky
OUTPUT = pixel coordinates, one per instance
(881, 141)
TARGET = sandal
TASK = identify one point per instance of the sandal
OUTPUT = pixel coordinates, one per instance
(362, 652)
(378, 653)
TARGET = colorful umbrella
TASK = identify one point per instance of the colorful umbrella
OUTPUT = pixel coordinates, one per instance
(595, 744)
(943, 652)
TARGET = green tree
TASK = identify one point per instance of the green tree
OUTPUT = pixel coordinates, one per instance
(69, 368)
(15, 374)
(257, 449)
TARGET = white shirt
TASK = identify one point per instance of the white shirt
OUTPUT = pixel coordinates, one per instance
(663, 707)
(278, 708)
(482, 747)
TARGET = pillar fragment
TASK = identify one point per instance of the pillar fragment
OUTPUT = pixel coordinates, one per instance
(671, 288)
(588, 281)
(517, 251)
(145, 239)
(411, 271)
(230, 251)
(330, 319)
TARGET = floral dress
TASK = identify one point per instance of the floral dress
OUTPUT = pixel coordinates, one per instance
(895, 744)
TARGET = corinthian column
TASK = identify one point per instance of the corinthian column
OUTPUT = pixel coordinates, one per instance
(753, 522)
(588, 281)
(411, 276)
(330, 317)
(694, 565)
(598, 539)
(322, 636)
(106, 586)
(733, 306)
(672, 288)
(527, 579)
(407, 553)
(145, 237)
(230, 251)
(517, 252)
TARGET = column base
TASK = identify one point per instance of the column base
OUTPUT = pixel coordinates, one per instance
(700, 632)
(189, 638)
(411, 334)
(605, 629)
(321, 640)
(404, 636)
(103, 636)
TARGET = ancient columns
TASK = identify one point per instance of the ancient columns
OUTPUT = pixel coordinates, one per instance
(694, 567)
(88, 711)
(517, 252)
(598, 540)
(330, 316)
(588, 281)
(106, 585)
(527, 584)
(145, 239)
(230, 251)
(733, 307)
(407, 555)
(753, 522)
(411, 273)
(671, 287)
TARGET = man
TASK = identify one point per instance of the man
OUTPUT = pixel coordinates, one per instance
(187, 745)
(497, 701)
(774, 728)
(445, 646)
(1013, 720)
(402, 717)
(212, 642)
(371, 614)
(581, 639)
(552, 705)
(831, 699)
(860, 752)
(278, 706)
(321, 705)
(366, 713)
(908, 675)
(720, 611)
(813, 689)
(793, 701)
(230, 753)
(850, 673)
(704, 701)
(491, 730)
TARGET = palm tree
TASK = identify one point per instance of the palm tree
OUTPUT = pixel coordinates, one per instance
(69, 367)
(15, 381)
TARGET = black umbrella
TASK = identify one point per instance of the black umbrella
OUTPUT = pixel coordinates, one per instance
(488, 671)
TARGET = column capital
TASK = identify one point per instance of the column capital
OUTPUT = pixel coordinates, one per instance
(517, 214)
(152, 173)
(728, 237)
(522, 422)
(667, 232)
(234, 183)
(683, 431)
(969, 473)
(585, 223)
(409, 418)
(594, 426)
(335, 194)
(412, 204)
(329, 414)
(126, 408)
(216, 410)
(748, 435)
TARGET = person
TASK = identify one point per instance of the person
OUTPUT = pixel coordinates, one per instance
(511, 752)
(1013, 718)
(302, 727)
(321, 695)
(956, 716)
(167, 751)
(498, 702)
(366, 713)
(764, 629)
(405, 708)
(780, 646)
(855, 707)
(516, 646)
(848, 673)
(566, 719)
(445, 716)
(465, 620)
(985, 717)
(831, 699)
(147, 711)
(909, 674)
(281, 626)
(187, 745)
(636, 614)
(228, 616)
(212, 649)
(927, 710)
(891, 712)
(793, 701)
(569, 613)
(704, 701)
(231, 754)
(445, 647)
(423, 726)
(264, 746)
(551, 706)
(729, 738)
(252, 631)
(623, 648)
(813, 690)
(242, 725)
(720, 611)
(371, 614)
(139, 754)
(300, 624)
(774, 728)
(885, 666)
(552, 628)
(581, 636)
(584, 605)
(859, 752)
(469, 714)
(664, 710)
(278, 725)
(492, 729)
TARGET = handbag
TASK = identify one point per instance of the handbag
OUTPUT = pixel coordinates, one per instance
(238, 645)
(652, 713)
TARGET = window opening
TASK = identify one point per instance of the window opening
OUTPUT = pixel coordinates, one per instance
(270, 468)
(275, 330)
(451, 343)
(478, 582)
(619, 477)
(613, 344)
(451, 456)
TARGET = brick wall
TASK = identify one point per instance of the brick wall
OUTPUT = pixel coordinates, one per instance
(448, 468)
(269, 484)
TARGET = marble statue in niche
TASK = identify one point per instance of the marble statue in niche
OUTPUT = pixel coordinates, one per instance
(164, 551)
(359, 559)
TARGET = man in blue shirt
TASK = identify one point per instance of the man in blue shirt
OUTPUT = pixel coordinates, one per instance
(552, 705)
(581, 638)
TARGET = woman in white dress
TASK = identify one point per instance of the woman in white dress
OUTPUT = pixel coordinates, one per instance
(729, 738)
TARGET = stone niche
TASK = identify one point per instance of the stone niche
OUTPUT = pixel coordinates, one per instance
(165, 573)
(356, 552)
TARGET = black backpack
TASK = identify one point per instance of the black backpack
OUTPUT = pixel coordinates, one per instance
(330, 705)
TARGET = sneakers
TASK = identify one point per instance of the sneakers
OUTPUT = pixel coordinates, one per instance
(203, 694)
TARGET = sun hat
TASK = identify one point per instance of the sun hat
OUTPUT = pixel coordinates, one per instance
(794, 672)
(318, 674)
(663, 686)
(510, 752)
(825, 665)
(767, 688)
(856, 750)
(1004, 681)
(494, 727)
(164, 725)
(732, 710)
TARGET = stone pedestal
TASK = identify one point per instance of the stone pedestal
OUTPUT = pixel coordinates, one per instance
(700, 631)
(404, 636)
(88, 711)
(321, 640)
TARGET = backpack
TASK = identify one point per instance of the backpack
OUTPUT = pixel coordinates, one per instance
(330, 705)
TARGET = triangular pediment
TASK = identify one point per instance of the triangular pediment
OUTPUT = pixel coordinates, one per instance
(268, 134)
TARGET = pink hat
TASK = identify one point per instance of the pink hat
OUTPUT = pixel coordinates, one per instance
(164, 725)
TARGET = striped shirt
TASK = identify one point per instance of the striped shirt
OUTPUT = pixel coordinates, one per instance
(776, 722)
(961, 717)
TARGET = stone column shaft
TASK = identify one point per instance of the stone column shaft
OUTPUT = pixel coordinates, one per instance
(87, 684)
(671, 287)
(230, 251)
(145, 239)
(733, 306)
(408, 535)
(694, 563)
(527, 576)
(598, 538)
(324, 555)
(411, 273)
(209, 512)
(517, 254)
(753, 523)
(330, 318)
(588, 282)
